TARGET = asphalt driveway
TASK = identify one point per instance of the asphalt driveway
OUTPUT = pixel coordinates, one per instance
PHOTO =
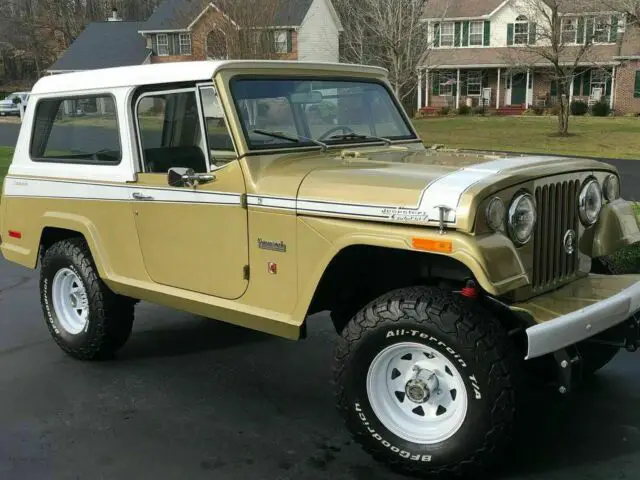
(189, 398)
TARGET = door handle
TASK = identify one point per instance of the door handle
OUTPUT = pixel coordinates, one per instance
(141, 196)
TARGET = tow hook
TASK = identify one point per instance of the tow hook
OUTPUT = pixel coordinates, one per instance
(470, 291)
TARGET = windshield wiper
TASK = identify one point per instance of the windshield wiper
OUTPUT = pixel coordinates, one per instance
(291, 138)
(358, 136)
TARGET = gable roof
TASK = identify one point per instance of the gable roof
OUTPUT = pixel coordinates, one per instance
(461, 8)
(481, 8)
(104, 45)
(180, 14)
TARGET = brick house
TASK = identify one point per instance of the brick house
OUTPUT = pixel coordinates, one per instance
(185, 30)
(475, 59)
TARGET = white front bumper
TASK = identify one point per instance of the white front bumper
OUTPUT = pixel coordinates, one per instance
(569, 329)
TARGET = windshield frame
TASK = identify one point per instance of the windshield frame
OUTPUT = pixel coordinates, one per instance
(254, 150)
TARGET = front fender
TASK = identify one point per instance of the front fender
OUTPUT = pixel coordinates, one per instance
(616, 229)
(492, 259)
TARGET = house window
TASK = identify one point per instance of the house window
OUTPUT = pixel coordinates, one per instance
(447, 33)
(601, 30)
(217, 48)
(521, 31)
(281, 41)
(447, 81)
(474, 83)
(569, 30)
(163, 44)
(185, 44)
(476, 33)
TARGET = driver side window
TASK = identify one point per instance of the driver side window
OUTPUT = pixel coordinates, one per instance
(171, 132)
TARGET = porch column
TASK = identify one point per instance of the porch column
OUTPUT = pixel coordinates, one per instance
(613, 88)
(498, 89)
(458, 90)
(426, 87)
(571, 91)
(419, 88)
(526, 97)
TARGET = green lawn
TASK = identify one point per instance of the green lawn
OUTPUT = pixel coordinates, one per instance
(5, 158)
(600, 137)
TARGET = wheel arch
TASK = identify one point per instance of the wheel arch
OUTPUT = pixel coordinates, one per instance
(59, 226)
(384, 269)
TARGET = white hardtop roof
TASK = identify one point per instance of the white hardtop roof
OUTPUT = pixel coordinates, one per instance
(173, 72)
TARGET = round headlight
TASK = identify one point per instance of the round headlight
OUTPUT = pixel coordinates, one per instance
(590, 202)
(522, 218)
(495, 214)
(611, 188)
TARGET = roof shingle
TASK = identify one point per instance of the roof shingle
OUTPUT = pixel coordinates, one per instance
(104, 45)
(179, 14)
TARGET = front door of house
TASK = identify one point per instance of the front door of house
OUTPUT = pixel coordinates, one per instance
(518, 89)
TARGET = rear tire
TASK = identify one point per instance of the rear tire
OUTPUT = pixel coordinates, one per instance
(456, 413)
(85, 318)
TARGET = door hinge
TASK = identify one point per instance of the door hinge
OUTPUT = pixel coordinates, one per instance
(243, 200)
(245, 272)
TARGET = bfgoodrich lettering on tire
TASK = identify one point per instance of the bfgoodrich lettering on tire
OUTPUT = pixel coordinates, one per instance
(424, 382)
(86, 319)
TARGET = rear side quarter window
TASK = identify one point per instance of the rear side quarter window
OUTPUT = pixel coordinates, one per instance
(76, 130)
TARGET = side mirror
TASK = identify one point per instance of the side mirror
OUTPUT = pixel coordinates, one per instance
(186, 177)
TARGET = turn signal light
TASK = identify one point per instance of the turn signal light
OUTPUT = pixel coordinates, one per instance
(429, 245)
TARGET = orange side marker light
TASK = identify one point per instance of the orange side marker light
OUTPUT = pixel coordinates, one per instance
(429, 245)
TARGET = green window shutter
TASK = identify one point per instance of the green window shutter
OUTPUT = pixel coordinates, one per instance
(532, 34)
(457, 34)
(289, 41)
(613, 33)
(577, 81)
(586, 83)
(636, 87)
(510, 29)
(435, 83)
(590, 24)
(580, 38)
(455, 89)
(463, 86)
(465, 33)
(609, 85)
(487, 33)
(154, 44)
(554, 88)
(436, 34)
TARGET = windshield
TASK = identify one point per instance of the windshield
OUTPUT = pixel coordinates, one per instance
(280, 113)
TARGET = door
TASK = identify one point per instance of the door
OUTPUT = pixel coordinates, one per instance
(193, 238)
(518, 89)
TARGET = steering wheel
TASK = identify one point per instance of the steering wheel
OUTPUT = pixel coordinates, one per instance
(344, 128)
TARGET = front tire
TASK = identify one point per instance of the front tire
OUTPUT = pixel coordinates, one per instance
(85, 318)
(426, 382)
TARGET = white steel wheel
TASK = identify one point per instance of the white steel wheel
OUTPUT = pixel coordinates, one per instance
(70, 302)
(417, 393)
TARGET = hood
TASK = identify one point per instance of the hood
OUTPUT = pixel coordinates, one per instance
(407, 186)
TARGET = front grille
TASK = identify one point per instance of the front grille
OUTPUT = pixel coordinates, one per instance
(557, 212)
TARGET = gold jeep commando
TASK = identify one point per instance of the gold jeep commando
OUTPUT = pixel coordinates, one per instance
(261, 192)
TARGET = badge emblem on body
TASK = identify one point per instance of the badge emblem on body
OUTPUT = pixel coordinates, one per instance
(569, 241)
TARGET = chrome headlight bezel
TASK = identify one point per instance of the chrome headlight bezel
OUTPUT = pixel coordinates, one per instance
(513, 208)
(590, 185)
(495, 210)
(611, 188)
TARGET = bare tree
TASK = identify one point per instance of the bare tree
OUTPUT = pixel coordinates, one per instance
(389, 34)
(561, 42)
